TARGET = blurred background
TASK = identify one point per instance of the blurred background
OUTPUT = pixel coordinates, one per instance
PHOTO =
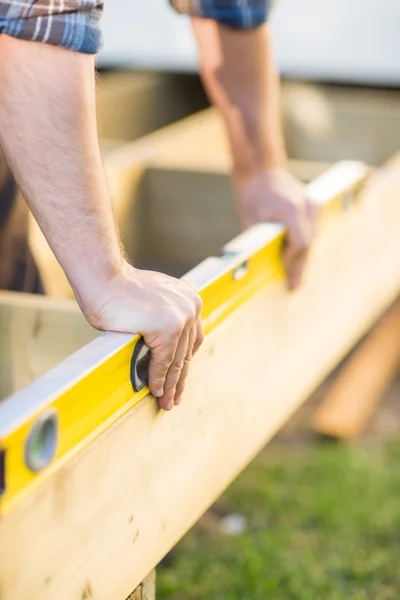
(343, 40)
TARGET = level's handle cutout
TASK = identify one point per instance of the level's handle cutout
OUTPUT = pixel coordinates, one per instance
(42, 441)
(240, 271)
(2, 472)
(140, 366)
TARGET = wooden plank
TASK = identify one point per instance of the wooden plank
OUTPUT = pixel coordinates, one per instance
(109, 516)
(360, 385)
(146, 590)
(36, 333)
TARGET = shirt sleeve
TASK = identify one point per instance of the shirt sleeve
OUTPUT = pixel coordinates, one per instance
(240, 14)
(72, 24)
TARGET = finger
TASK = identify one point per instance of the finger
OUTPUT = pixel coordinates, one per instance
(199, 335)
(298, 240)
(295, 273)
(189, 354)
(163, 351)
(313, 214)
(294, 265)
(298, 262)
(174, 371)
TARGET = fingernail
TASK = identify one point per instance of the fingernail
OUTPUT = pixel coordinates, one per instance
(159, 394)
(178, 400)
(170, 405)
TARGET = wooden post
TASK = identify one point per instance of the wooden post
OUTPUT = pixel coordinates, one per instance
(146, 590)
(360, 385)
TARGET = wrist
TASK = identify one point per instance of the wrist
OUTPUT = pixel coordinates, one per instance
(255, 150)
(268, 170)
(93, 281)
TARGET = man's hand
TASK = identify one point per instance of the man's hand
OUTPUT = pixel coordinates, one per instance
(49, 137)
(166, 311)
(277, 196)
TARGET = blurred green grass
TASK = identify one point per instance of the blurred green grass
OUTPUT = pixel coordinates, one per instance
(323, 524)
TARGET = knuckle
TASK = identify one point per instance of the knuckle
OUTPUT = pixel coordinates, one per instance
(178, 365)
(169, 389)
(174, 325)
(304, 244)
(193, 297)
(190, 314)
(299, 247)
(158, 373)
(158, 382)
(164, 360)
(198, 302)
(180, 388)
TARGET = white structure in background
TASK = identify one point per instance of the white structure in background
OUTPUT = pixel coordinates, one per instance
(332, 40)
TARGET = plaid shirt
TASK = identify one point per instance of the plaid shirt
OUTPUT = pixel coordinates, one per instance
(74, 24)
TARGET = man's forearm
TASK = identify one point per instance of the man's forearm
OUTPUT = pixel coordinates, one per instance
(48, 134)
(238, 71)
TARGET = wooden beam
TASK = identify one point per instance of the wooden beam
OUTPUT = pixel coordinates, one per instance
(360, 385)
(107, 517)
